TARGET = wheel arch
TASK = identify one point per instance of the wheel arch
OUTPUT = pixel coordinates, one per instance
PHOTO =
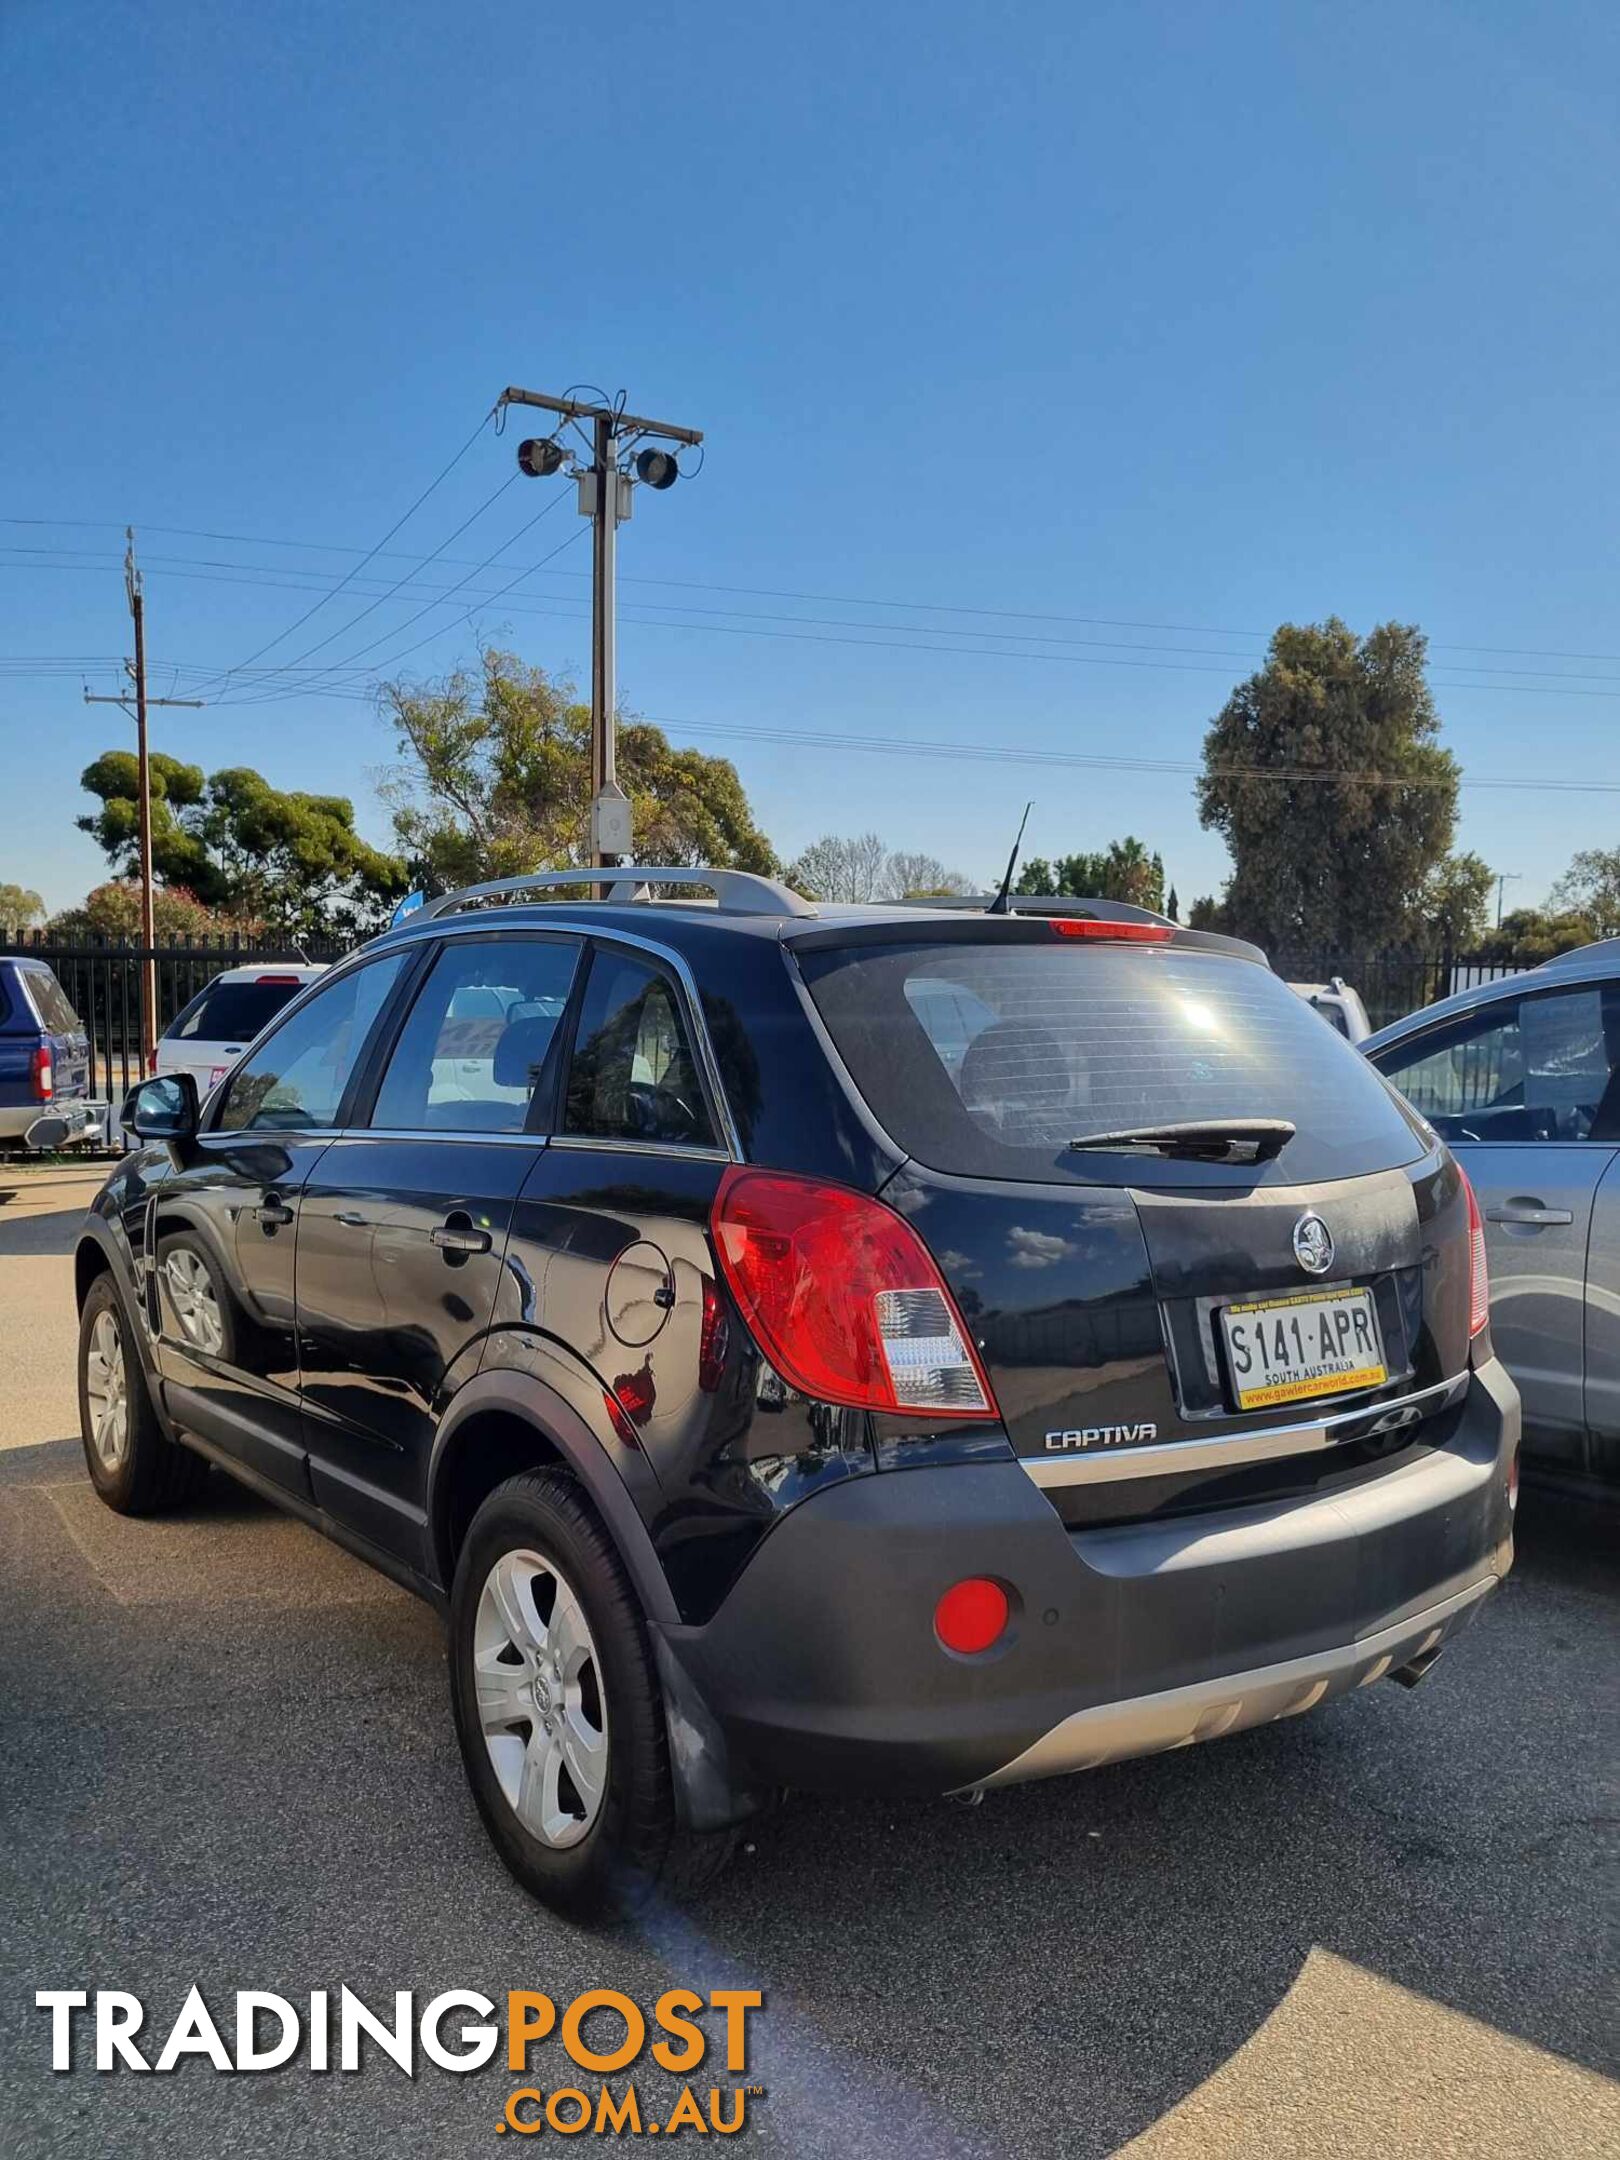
(504, 1422)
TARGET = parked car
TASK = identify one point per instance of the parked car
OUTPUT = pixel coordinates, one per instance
(1522, 1080)
(46, 1091)
(1339, 1005)
(207, 1036)
(856, 1349)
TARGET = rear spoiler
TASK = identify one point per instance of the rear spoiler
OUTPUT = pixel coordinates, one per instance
(1028, 924)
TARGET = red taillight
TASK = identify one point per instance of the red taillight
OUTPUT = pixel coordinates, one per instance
(1124, 933)
(844, 1297)
(972, 1615)
(43, 1073)
(1479, 1276)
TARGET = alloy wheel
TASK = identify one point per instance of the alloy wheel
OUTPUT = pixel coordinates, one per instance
(540, 1698)
(106, 1392)
(195, 1305)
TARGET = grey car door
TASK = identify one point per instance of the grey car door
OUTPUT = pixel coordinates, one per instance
(1521, 1089)
(1603, 1330)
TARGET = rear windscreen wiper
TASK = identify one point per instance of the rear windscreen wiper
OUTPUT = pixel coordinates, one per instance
(1233, 1140)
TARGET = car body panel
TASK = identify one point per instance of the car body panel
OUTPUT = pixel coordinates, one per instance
(385, 1314)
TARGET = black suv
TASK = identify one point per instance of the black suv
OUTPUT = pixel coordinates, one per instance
(868, 1349)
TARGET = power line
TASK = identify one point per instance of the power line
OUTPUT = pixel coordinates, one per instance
(768, 592)
(912, 640)
(436, 482)
(299, 690)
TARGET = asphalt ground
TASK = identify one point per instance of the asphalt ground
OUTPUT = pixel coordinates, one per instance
(226, 1758)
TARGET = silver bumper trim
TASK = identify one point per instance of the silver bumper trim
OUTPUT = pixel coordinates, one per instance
(1180, 1717)
(1173, 1458)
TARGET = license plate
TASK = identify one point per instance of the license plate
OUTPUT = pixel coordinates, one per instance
(1292, 1349)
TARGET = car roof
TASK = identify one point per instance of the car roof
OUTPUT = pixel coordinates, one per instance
(1587, 963)
(304, 970)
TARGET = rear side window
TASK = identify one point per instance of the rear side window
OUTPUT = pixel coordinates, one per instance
(989, 1059)
(232, 1011)
(51, 1002)
(470, 1055)
(633, 1076)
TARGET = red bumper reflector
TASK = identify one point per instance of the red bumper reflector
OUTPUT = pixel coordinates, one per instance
(972, 1615)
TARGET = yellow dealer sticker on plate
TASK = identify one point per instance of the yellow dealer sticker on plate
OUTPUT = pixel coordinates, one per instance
(1292, 1349)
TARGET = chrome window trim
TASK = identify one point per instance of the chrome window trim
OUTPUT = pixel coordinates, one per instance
(1174, 1458)
(688, 1150)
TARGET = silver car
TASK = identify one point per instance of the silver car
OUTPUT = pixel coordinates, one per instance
(1522, 1079)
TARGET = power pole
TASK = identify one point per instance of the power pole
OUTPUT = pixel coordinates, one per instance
(1504, 878)
(137, 671)
(604, 497)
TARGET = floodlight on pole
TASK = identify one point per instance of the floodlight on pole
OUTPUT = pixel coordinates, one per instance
(540, 456)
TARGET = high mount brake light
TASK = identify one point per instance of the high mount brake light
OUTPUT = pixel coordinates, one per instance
(1118, 933)
(1479, 1275)
(286, 981)
(844, 1298)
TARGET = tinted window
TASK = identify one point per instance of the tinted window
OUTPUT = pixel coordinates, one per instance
(51, 1002)
(989, 1059)
(470, 1055)
(1531, 1068)
(232, 1011)
(633, 1076)
(295, 1081)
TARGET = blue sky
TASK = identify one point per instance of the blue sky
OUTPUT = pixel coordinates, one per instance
(1135, 315)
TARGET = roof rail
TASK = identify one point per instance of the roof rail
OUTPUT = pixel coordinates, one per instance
(741, 892)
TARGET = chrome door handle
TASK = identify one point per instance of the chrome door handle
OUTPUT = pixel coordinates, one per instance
(273, 1210)
(350, 1219)
(460, 1241)
(1539, 1218)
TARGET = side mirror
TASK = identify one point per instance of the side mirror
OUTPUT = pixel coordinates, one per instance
(163, 1109)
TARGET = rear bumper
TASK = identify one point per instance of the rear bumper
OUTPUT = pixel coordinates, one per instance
(821, 1670)
(85, 1120)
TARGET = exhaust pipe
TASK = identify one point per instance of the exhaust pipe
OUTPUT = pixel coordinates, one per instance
(1418, 1668)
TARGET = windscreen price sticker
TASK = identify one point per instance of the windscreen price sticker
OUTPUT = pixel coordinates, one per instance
(566, 2058)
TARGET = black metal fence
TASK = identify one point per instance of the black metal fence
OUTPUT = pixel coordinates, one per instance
(102, 979)
(1392, 984)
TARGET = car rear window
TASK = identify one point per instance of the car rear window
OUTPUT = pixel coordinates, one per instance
(988, 1059)
(231, 1011)
(51, 1002)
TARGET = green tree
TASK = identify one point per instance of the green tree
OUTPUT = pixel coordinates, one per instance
(1453, 908)
(1530, 935)
(20, 909)
(281, 860)
(1341, 859)
(1591, 887)
(1124, 870)
(493, 778)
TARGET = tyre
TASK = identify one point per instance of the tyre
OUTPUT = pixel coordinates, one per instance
(203, 1307)
(133, 1464)
(558, 1709)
